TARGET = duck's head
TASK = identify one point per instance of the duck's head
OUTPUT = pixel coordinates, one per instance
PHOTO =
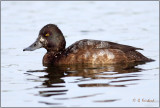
(50, 37)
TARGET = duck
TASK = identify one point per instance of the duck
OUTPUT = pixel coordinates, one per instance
(85, 51)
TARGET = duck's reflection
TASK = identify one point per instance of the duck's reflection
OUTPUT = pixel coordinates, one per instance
(55, 76)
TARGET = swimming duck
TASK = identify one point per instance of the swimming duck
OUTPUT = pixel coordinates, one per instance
(84, 51)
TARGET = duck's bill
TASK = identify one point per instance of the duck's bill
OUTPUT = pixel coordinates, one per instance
(34, 46)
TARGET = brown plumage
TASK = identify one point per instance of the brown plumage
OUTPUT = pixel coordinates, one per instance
(84, 51)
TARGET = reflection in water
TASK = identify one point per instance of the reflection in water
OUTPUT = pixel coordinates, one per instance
(116, 75)
(113, 100)
(48, 103)
(52, 92)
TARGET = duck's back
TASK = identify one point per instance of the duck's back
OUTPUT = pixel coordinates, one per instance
(99, 52)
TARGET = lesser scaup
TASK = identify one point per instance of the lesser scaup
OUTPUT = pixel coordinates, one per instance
(84, 51)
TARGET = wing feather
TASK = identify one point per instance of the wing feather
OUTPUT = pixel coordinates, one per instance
(97, 44)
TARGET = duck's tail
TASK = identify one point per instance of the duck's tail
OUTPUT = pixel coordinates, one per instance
(149, 60)
(137, 56)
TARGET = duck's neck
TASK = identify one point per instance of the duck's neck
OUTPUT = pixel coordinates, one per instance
(51, 57)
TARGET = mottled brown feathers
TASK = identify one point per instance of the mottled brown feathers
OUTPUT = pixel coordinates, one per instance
(84, 51)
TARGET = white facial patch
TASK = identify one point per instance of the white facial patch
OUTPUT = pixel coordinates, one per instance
(42, 39)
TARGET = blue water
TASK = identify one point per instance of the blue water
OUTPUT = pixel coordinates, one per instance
(25, 82)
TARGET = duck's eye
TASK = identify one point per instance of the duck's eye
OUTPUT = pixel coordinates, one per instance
(47, 34)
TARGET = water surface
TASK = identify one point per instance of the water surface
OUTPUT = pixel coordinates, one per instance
(26, 82)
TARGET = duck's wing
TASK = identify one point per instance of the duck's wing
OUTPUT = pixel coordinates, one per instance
(124, 48)
(97, 44)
